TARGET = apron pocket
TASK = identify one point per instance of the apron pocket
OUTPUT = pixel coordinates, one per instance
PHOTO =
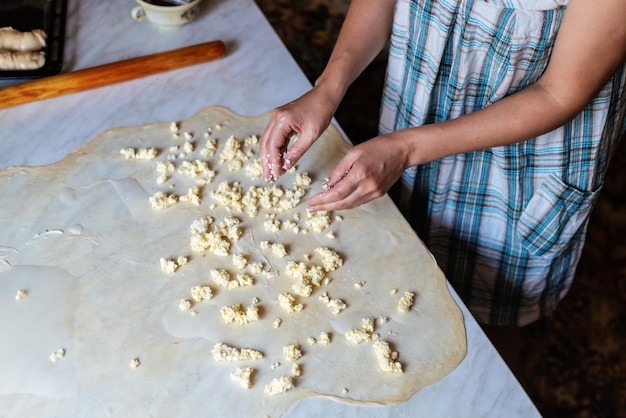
(553, 216)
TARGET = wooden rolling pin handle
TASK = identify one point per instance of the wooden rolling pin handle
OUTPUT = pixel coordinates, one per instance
(102, 75)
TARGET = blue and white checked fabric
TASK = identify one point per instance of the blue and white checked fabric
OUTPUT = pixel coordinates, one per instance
(507, 224)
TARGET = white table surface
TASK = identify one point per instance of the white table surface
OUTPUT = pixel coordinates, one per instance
(257, 75)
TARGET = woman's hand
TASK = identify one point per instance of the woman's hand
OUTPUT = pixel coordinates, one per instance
(365, 173)
(307, 116)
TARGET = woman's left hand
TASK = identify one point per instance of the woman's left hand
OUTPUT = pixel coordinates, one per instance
(366, 172)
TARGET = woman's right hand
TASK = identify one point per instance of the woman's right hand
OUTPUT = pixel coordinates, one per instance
(308, 117)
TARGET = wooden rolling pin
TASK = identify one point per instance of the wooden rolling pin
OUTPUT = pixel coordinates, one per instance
(102, 75)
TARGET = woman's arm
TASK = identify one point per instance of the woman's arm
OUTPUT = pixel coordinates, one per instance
(364, 33)
(589, 47)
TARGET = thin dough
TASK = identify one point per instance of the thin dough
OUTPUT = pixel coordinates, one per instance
(87, 248)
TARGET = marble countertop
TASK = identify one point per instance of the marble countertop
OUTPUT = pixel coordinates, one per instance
(256, 75)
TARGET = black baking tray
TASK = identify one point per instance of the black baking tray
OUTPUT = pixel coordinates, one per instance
(26, 15)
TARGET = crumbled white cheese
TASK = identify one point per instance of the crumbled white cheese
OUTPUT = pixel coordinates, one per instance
(223, 278)
(229, 196)
(330, 259)
(292, 352)
(324, 338)
(57, 355)
(279, 250)
(170, 266)
(287, 302)
(232, 154)
(21, 294)
(140, 154)
(244, 279)
(279, 385)
(225, 353)
(256, 267)
(134, 363)
(358, 335)
(318, 221)
(201, 293)
(272, 225)
(201, 225)
(161, 200)
(363, 333)
(243, 375)
(386, 357)
(277, 322)
(406, 302)
(209, 148)
(192, 196)
(235, 314)
(239, 261)
(303, 179)
(184, 304)
(296, 370)
(336, 306)
(254, 169)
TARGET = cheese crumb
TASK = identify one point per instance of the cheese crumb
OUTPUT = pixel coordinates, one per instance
(292, 352)
(21, 294)
(239, 261)
(336, 306)
(225, 353)
(386, 357)
(279, 250)
(162, 200)
(363, 333)
(296, 370)
(170, 266)
(324, 338)
(222, 278)
(272, 225)
(279, 385)
(318, 221)
(201, 293)
(134, 363)
(57, 355)
(287, 302)
(140, 154)
(277, 322)
(184, 304)
(236, 314)
(243, 375)
(406, 302)
(330, 259)
(303, 179)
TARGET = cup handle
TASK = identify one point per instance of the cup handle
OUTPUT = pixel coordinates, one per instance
(137, 13)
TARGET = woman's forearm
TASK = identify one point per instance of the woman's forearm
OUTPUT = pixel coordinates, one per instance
(364, 33)
(590, 46)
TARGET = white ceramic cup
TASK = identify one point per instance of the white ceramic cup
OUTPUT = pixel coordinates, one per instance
(166, 14)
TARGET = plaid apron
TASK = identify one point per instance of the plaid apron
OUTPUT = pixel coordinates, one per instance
(507, 224)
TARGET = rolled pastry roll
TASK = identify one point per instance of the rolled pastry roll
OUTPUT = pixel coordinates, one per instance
(14, 40)
(22, 60)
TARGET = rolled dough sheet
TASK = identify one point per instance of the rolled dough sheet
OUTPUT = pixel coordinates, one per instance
(83, 240)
